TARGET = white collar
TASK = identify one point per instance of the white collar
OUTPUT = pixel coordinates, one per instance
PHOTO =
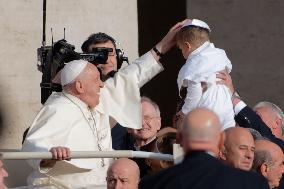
(75, 100)
(201, 48)
(211, 153)
(138, 147)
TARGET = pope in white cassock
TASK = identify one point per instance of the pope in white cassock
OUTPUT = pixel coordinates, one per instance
(77, 119)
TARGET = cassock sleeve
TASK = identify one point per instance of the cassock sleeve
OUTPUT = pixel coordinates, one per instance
(120, 98)
(247, 118)
(49, 127)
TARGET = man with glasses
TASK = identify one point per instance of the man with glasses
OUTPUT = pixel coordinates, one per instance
(144, 137)
(151, 124)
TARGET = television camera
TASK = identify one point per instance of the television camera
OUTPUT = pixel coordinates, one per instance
(51, 59)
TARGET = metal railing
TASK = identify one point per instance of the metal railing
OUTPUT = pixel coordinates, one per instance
(87, 154)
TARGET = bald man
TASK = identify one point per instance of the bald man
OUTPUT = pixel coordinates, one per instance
(268, 161)
(200, 139)
(267, 119)
(238, 148)
(123, 174)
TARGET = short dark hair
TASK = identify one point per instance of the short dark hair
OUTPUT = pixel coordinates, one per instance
(261, 157)
(96, 38)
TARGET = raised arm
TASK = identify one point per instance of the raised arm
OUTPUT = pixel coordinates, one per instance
(244, 115)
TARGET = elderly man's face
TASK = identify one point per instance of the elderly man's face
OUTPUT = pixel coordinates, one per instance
(3, 174)
(271, 120)
(92, 85)
(122, 178)
(151, 123)
(111, 64)
(275, 171)
(239, 153)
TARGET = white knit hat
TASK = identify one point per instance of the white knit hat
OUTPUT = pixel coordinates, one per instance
(196, 22)
(71, 71)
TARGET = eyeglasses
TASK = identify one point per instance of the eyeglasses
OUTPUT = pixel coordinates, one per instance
(148, 119)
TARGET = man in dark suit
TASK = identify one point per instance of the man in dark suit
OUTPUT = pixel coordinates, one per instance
(238, 148)
(247, 117)
(268, 161)
(200, 169)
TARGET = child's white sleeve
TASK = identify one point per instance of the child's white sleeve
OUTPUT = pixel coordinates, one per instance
(193, 96)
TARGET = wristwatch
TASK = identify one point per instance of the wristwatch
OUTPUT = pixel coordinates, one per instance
(158, 53)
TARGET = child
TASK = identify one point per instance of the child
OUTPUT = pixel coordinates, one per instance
(198, 74)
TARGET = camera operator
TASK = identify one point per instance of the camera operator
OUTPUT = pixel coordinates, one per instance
(121, 139)
(103, 40)
(78, 118)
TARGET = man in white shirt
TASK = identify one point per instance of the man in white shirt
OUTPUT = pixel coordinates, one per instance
(78, 118)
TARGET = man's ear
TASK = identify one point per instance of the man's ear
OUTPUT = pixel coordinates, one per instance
(222, 153)
(159, 123)
(221, 146)
(278, 121)
(148, 162)
(165, 164)
(264, 169)
(79, 87)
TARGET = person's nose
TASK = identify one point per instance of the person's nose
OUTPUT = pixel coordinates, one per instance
(118, 185)
(109, 60)
(249, 154)
(144, 121)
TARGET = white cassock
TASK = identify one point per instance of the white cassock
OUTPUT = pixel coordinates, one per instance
(66, 121)
(201, 67)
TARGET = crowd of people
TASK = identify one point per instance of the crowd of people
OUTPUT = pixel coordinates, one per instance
(226, 144)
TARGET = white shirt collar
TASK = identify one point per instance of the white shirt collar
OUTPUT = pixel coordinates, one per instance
(138, 147)
(201, 48)
(211, 153)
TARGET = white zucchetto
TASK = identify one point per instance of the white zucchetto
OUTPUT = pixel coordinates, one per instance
(72, 70)
(196, 22)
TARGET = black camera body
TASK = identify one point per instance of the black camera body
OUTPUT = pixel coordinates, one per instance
(53, 58)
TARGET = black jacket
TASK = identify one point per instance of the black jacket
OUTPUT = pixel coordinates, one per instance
(247, 118)
(121, 139)
(200, 170)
